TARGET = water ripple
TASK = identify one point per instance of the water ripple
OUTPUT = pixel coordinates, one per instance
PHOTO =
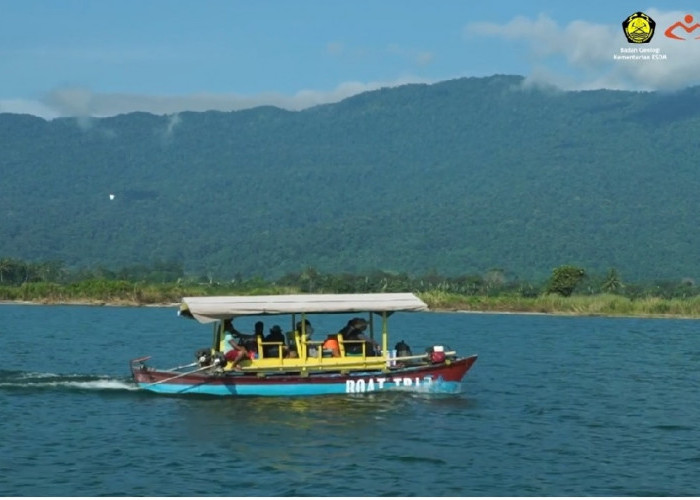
(555, 406)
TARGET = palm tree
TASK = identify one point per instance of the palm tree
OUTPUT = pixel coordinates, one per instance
(612, 282)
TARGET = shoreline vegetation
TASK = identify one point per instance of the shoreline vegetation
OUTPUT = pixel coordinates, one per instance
(123, 293)
(569, 290)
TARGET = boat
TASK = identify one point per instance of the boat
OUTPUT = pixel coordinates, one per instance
(299, 366)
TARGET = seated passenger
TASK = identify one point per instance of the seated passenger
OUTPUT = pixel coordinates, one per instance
(331, 344)
(252, 344)
(248, 341)
(292, 353)
(308, 329)
(306, 335)
(243, 337)
(354, 330)
(275, 335)
(233, 351)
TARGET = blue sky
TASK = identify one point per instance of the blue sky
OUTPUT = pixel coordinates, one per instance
(105, 57)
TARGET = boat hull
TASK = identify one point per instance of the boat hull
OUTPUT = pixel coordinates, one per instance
(436, 378)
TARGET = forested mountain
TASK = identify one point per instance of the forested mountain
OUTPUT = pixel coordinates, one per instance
(458, 177)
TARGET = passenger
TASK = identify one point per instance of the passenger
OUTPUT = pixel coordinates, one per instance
(243, 337)
(331, 344)
(252, 343)
(248, 341)
(275, 335)
(308, 330)
(306, 336)
(228, 326)
(233, 351)
(354, 330)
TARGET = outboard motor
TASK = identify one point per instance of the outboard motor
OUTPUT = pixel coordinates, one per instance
(218, 359)
(203, 357)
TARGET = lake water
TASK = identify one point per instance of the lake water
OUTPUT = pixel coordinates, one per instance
(555, 406)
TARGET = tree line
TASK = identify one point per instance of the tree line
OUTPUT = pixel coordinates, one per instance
(167, 280)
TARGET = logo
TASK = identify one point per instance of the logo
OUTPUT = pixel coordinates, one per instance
(687, 26)
(639, 28)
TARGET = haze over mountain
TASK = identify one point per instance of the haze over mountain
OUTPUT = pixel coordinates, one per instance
(458, 177)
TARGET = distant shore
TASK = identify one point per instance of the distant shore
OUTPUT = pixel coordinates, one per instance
(96, 303)
(594, 306)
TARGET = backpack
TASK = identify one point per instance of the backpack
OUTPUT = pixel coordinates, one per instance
(403, 349)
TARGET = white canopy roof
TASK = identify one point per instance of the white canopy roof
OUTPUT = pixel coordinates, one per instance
(208, 309)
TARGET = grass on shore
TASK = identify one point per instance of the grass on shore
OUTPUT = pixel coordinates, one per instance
(139, 294)
(592, 305)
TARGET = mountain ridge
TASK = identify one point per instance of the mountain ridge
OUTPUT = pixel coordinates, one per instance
(459, 177)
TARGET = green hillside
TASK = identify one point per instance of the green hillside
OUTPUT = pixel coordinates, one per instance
(458, 177)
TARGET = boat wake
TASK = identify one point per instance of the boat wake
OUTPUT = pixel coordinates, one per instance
(22, 381)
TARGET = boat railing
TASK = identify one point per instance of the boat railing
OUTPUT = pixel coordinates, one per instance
(311, 355)
(343, 342)
(316, 346)
(421, 357)
(344, 363)
(264, 343)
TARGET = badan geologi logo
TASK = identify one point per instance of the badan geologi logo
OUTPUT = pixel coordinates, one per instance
(638, 28)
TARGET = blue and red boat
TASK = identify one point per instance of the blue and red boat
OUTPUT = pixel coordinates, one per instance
(299, 366)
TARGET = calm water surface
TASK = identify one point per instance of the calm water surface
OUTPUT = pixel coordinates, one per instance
(555, 406)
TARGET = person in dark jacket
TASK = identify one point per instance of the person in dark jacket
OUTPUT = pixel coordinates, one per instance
(355, 330)
(275, 335)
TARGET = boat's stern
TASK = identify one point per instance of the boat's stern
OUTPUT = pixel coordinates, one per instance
(138, 366)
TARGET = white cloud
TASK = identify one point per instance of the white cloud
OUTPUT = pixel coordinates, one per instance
(25, 106)
(581, 55)
(82, 102)
(173, 121)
